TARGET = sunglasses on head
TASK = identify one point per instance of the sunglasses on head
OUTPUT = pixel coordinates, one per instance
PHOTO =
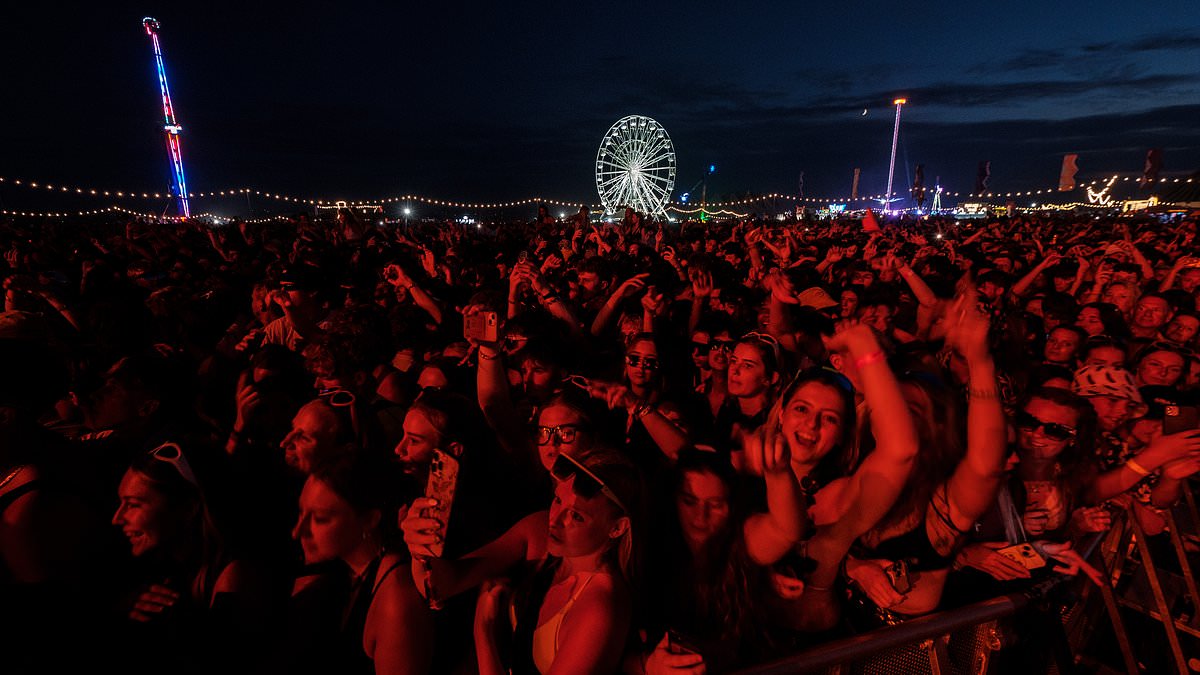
(636, 361)
(172, 454)
(342, 400)
(586, 483)
(565, 433)
(1052, 430)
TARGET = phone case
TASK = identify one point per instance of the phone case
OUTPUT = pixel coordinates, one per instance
(443, 480)
(898, 575)
(1024, 554)
(484, 327)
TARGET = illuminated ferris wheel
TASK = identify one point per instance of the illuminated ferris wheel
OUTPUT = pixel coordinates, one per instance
(635, 166)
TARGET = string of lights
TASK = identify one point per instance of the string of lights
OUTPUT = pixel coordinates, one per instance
(707, 212)
(419, 199)
(107, 209)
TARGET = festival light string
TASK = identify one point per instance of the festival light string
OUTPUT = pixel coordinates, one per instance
(674, 205)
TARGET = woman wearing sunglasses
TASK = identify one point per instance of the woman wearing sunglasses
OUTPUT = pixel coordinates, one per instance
(203, 606)
(1043, 500)
(573, 567)
(651, 421)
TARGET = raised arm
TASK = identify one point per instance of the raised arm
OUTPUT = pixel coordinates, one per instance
(446, 578)
(627, 288)
(876, 484)
(972, 487)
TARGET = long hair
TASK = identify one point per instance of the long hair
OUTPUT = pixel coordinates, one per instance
(723, 573)
(940, 436)
(1076, 463)
(185, 496)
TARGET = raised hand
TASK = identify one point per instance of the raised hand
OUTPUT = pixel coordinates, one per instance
(967, 326)
(632, 285)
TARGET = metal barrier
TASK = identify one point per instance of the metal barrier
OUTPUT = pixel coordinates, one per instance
(965, 639)
(926, 640)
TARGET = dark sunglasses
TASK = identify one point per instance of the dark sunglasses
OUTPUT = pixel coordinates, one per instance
(723, 345)
(647, 362)
(1052, 430)
(172, 454)
(701, 347)
(586, 483)
(565, 433)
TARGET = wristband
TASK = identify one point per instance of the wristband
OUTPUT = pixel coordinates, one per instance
(485, 357)
(983, 394)
(874, 357)
(1137, 468)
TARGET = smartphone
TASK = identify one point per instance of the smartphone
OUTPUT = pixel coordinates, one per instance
(441, 485)
(898, 575)
(482, 327)
(1177, 418)
(1025, 554)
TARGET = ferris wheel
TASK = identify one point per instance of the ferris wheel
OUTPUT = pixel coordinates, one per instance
(635, 166)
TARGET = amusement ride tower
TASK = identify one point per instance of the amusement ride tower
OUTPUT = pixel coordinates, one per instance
(170, 126)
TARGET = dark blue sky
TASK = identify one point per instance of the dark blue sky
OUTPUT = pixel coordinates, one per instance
(507, 100)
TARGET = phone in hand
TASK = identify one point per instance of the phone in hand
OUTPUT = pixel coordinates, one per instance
(1025, 554)
(897, 573)
(482, 327)
(441, 485)
(1177, 418)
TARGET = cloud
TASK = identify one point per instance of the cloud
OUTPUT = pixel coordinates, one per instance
(1056, 58)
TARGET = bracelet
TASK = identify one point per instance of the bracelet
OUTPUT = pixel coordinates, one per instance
(1137, 468)
(983, 394)
(874, 357)
(642, 410)
(485, 357)
(549, 299)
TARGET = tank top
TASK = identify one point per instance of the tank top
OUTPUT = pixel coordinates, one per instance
(545, 636)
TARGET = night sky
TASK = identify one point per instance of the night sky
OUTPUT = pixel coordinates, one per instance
(509, 100)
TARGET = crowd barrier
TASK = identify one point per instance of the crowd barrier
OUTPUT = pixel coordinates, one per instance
(1080, 627)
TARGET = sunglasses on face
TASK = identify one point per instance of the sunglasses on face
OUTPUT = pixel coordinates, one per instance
(172, 454)
(723, 345)
(586, 483)
(701, 347)
(647, 362)
(565, 433)
(1052, 430)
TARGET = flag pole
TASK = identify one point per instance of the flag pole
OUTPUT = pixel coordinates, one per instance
(887, 197)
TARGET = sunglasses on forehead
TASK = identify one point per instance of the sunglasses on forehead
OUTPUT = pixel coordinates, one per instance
(1051, 430)
(172, 454)
(586, 483)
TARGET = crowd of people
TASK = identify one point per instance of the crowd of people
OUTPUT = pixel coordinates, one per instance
(569, 446)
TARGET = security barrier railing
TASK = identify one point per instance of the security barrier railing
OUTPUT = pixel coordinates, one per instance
(1144, 622)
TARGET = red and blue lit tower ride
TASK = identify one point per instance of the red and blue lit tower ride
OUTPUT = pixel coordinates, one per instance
(170, 126)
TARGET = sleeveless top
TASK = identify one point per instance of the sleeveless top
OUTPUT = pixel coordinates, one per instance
(354, 619)
(545, 636)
